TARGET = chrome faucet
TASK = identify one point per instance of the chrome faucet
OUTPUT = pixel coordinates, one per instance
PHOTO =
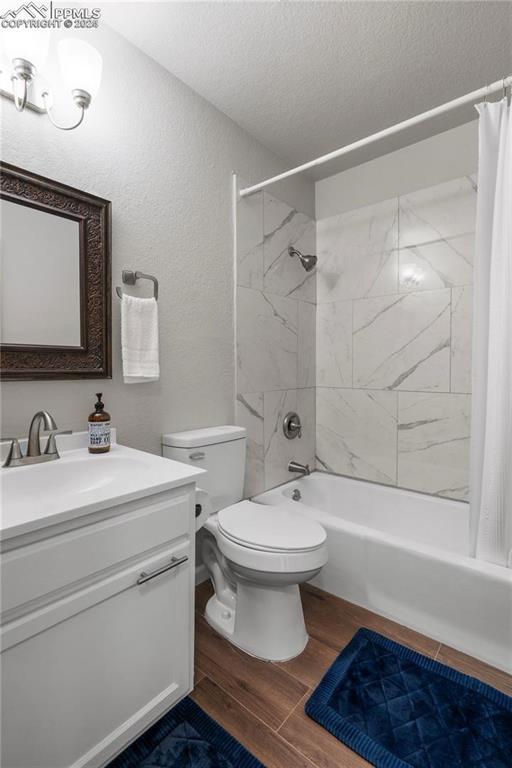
(43, 419)
(302, 469)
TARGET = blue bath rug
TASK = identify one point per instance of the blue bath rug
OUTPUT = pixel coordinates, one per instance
(398, 708)
(186, 737)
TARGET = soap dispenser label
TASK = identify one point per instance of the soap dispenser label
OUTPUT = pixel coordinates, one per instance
(99, 434)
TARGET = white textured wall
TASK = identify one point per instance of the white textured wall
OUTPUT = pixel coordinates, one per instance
(164, 157)
(448, 155)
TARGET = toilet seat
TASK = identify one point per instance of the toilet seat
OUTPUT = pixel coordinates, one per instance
(252, 536)
(272, 529)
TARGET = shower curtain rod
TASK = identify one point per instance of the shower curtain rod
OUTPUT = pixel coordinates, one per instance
(481, 93)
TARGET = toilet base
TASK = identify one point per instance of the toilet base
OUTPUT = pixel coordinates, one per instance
(266, 622)
(219, 617)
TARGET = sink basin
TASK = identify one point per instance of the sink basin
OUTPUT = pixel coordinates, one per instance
(80, 482)
(70, 474)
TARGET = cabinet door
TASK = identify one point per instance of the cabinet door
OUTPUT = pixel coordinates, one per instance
(77, 692)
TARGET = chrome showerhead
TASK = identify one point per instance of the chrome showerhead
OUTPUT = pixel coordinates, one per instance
(307, 261)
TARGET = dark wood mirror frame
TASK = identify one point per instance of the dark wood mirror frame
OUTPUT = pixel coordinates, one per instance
(93, 358)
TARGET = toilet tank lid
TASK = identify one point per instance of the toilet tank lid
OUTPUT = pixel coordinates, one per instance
(194, 438)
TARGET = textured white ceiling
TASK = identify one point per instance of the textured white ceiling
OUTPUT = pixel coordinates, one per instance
(307, 77)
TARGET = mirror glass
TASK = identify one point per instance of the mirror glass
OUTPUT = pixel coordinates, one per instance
(40, 277)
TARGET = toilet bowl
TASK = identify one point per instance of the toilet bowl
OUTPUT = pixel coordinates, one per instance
(256, 555)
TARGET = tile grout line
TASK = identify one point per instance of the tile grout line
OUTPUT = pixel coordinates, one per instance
(371, 297)
(376, 389)
(397, 452)
(352, 343)
(311, 302)
(357, 389)
(298, 749)
(451, 340)
(397, 403)
(289, 674)
(301, 701)
(263, 723)
(232, 695)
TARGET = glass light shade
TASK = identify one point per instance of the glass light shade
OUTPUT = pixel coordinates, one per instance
(26, 43)
(80, 64)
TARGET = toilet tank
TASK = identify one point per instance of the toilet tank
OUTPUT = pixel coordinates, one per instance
(219, 450)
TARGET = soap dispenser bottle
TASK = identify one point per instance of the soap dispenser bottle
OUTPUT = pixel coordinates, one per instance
(99, 428)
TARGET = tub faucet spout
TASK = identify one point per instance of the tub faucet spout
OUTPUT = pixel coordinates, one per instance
(302, 469)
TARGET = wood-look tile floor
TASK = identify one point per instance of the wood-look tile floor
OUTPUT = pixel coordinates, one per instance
(262, 704)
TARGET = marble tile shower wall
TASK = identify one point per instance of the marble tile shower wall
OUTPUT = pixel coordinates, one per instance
(275, 337)
(393, 341)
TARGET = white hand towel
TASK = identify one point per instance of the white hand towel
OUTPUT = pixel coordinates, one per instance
(139, 339)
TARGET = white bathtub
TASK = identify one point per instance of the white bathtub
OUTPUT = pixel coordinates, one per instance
(403, 555)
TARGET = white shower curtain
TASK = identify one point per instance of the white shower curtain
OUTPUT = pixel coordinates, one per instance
(491, 426)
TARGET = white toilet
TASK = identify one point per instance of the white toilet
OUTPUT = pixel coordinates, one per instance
(256, 555)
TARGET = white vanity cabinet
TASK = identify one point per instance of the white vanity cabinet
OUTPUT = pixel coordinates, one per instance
(91, 656)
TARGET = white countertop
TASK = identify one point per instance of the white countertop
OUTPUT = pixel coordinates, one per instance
(79, 483)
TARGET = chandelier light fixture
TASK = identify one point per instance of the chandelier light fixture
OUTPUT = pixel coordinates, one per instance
(25, 52)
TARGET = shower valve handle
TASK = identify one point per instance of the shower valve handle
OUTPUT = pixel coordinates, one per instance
(292, 426)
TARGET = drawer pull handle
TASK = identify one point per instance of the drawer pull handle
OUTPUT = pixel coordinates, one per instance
(175, 561)
(197, 456)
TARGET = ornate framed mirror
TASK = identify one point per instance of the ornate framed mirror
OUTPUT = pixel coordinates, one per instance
(55, 288)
